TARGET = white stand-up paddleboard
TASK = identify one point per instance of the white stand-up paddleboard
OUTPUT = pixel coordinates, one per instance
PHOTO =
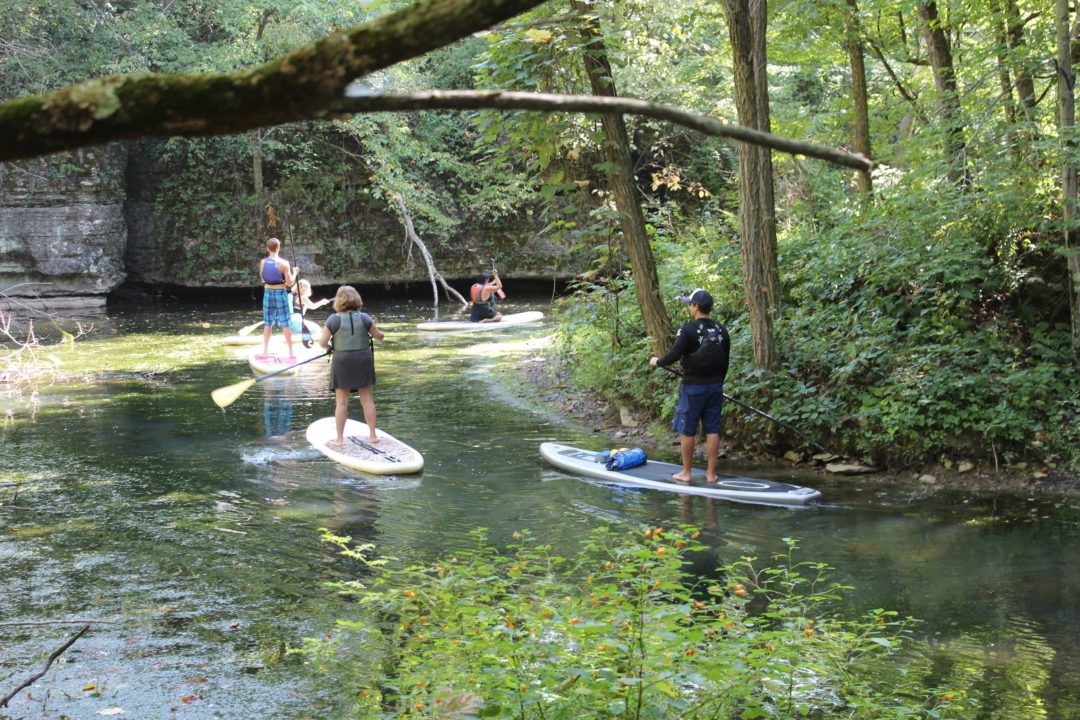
(277, 358)
(389, 456)
(521, 318)
(657, 476)
(255, 338)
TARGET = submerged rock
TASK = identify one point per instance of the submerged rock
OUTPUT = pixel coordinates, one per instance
(849, 469)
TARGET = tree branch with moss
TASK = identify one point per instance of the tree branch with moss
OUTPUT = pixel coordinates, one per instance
(302, 85)
(311, 84)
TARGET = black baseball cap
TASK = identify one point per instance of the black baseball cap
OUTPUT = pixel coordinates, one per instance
(701, 298)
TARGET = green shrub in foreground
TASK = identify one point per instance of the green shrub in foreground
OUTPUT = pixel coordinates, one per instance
(617, 629)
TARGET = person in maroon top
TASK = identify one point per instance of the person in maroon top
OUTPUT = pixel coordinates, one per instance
(483, 294)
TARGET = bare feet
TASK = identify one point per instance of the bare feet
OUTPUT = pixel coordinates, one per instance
(340, 442)
(680, 477)
(374, 439)
(711, 480)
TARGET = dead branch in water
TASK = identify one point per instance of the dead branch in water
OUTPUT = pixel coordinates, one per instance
(33, 679)
(433, 273)
(20, 364)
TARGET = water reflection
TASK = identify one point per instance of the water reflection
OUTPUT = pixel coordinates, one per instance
(277, 409)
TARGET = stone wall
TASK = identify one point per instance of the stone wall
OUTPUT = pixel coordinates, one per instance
(365, 245)
(74, 226)
(62, 228)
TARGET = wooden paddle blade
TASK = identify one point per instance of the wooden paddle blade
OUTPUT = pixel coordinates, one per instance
(225, 396)
(248, 329)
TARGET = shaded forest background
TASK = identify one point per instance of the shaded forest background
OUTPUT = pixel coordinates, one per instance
(923, 312)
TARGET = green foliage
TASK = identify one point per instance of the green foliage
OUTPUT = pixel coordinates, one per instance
(618, 628)
(922, 326)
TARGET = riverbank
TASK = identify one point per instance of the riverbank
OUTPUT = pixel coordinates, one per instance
(541, 381)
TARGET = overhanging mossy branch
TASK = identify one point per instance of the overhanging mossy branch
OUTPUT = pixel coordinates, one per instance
(299, 86)
(310, 84)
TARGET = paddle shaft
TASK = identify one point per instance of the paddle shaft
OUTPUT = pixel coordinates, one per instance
(495, 271)
(248, 329)
(290, 367)
(752, 409)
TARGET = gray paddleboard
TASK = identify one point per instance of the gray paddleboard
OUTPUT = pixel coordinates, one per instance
(657, 476)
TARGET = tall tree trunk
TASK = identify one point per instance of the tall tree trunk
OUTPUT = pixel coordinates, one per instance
(1025, 83)
(257, 163)
(757, 216)
(945, 79)
(1008, 102)
(646, 282)
(1004, 78)
(860, 128)
(1066, 80)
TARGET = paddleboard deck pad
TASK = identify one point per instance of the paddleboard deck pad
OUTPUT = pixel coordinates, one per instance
(389, 456)
(521, 318)
(278, 359)
(657, 476)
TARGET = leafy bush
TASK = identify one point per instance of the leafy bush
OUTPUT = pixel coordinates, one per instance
(929, 324)
(619, 629)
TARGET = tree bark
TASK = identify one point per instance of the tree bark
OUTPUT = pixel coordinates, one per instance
(757, 221)
(1004, 78)
(636, 240)
(941, 60)
(301, 85)
(508, 100)
(860, 128)
(257, 163)
(1025, 83)
(550, 102)
(1066, 83)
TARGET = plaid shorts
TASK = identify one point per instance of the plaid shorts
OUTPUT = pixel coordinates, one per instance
(276, 308)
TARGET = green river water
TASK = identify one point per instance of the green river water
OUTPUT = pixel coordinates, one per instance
(127, 496)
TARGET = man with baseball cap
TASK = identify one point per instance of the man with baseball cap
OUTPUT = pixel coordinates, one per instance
(703, 345)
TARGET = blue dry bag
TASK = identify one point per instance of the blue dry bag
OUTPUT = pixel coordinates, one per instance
(625, 459)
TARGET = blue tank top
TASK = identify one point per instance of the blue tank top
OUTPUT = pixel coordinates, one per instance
(271, 273)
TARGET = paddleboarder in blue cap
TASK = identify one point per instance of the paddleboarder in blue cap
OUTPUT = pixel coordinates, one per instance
(703, 345)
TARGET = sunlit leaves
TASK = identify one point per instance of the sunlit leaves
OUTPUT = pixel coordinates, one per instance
(620, 626)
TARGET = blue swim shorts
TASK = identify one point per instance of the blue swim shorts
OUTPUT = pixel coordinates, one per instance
(703, 403)
(276, 308)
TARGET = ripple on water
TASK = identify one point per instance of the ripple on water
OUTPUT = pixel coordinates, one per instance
(264, 456)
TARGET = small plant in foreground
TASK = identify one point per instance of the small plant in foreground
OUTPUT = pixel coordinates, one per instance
(618, 629)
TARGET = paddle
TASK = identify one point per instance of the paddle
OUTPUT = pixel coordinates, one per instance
(500, 293)
(225, 396)
(779, 422)
(248, 329)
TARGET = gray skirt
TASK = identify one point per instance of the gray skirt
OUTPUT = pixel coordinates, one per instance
(352, 369)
